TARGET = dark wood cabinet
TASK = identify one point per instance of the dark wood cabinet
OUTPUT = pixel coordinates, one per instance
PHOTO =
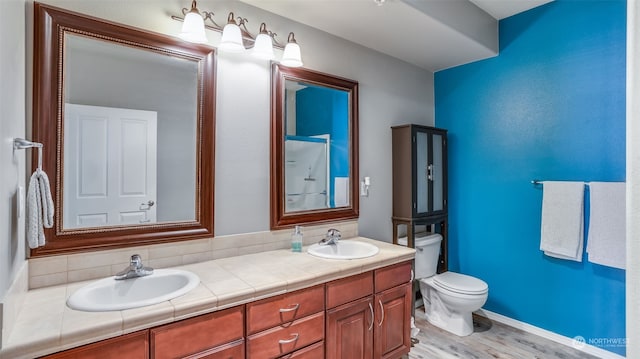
(420, 191)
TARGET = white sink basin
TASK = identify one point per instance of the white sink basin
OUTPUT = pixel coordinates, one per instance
(343, 250)
(110, 294)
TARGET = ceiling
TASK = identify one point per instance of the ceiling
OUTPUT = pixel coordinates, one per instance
(431, 34)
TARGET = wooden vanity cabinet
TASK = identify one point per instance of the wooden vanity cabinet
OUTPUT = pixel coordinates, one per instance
(205, 336)
(363, 316)
(369, 315)
(393, 310)
(128, 346)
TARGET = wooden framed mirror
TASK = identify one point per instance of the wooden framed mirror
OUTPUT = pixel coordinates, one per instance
(127, 120)
(314, 147)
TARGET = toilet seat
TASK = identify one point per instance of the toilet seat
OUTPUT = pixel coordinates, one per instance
(460, 283)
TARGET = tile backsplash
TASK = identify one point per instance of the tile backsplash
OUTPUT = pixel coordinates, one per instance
(62, 269)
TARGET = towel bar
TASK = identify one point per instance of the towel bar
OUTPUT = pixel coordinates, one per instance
(21, 144)
(536, 182)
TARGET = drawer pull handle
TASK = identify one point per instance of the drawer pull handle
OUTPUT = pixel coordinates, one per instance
(292, 309)
(287, 341)
(382, 311)
(372, 316)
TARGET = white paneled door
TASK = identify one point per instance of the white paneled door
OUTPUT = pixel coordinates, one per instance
(109, 166)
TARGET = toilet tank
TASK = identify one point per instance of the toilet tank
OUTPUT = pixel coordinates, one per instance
(427, 246)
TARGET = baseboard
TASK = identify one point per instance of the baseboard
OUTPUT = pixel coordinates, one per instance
(570, 342)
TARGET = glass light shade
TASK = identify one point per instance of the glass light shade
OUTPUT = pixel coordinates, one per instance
(291, 56)
(193, 28)
(231, 39)
(263, 47)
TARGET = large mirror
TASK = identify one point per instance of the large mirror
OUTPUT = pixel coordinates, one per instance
(126, 118)
(314, 156)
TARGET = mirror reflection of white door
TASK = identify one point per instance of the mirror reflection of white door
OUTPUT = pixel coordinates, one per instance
(109, 166)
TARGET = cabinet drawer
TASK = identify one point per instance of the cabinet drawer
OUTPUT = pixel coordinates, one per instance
(282, 340)
(197, 334)
(392, 276)
(271, 312)
(315, 351)
(345, 290)
(129, 346)
(233, 350)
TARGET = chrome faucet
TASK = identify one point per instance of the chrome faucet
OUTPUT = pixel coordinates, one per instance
(135, 269)
(332, 237)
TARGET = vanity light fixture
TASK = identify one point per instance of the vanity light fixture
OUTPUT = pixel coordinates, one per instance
(263, 47)
(291, 56)
(193, 25)
(231, 35)
(236, 37)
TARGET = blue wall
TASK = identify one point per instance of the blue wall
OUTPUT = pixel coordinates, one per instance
(551, 106)
(321, 111)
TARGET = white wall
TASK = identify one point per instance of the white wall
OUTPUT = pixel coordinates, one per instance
(12, 124)
(391, 92)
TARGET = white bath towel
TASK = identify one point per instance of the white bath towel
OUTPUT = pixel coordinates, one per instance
(606, 244)
(39, 208)
(562, 228)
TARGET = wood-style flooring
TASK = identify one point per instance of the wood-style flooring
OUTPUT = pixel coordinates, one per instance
(490, 340)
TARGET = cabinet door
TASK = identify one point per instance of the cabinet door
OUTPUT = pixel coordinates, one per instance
(350, 330)
(393, 322)
(429, 171)
(422, 199)
(437, 172)
(129, 346)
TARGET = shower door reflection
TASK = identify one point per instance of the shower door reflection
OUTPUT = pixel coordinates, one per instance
(306, 172)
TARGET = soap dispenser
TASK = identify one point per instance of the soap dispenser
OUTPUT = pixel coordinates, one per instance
(296, 240)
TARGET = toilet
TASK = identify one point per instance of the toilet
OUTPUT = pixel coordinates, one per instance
(449, 298)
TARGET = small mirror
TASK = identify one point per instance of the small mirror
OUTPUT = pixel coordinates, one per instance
(314, 142)
(126, 118)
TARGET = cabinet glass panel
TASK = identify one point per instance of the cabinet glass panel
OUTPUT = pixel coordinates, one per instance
(437, 174)
(422, 164)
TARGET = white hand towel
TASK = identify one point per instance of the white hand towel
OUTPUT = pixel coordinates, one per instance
(606, 243)
(47, 200)
(562, 226)
(39, 208)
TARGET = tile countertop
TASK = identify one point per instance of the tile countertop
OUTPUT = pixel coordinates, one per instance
(46, 325)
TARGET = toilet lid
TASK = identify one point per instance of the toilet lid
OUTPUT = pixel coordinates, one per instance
(460, 283)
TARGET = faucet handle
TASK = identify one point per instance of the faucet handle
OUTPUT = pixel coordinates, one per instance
(334, 233)
(136, 261)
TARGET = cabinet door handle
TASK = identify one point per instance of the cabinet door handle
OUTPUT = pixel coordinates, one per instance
(292, 308)
(412, 276)
(372, 316)
(287, 341)
(382, 311)
(430, 172)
